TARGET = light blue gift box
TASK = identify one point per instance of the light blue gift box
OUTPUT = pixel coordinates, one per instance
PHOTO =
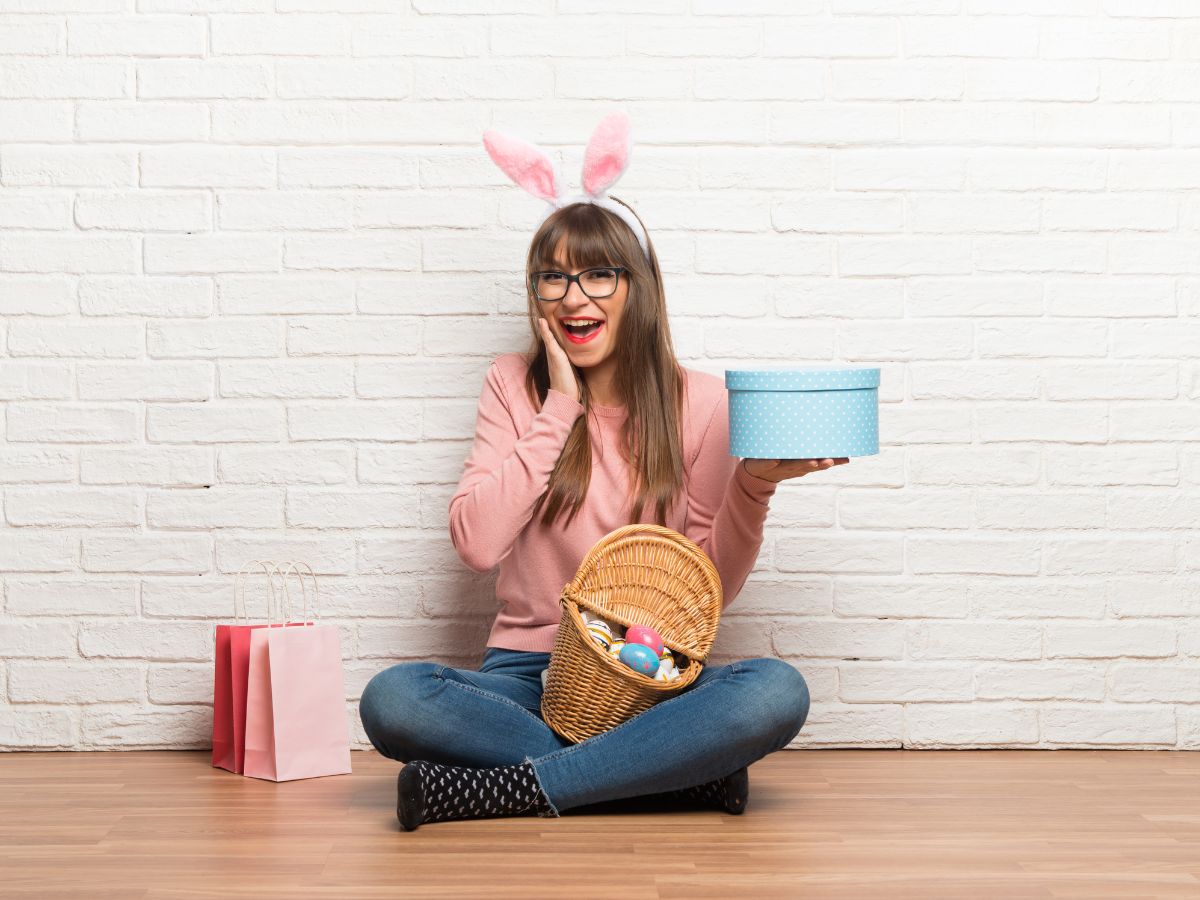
(811, 412)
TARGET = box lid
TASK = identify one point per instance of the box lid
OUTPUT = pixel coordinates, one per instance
(803, 378)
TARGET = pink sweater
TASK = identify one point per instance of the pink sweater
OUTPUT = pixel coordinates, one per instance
(722, 507)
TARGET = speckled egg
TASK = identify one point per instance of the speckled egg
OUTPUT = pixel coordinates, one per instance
(640, 658)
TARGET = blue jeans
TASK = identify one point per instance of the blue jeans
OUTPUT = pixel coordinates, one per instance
(727, 718)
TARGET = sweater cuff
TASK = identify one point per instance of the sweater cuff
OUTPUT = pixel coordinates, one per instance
(562, 407)
(761, 489)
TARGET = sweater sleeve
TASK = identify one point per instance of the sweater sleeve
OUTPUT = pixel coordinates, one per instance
(505, 472)
(727, 506)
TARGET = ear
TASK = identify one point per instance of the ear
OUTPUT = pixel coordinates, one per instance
(607, 154)
(526, 164)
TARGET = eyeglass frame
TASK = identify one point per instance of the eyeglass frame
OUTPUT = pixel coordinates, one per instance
(620, 270)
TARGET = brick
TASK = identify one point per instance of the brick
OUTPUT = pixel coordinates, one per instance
(34, 638)
(143, 210)
(169, 728)
(175, 554)
(67, 597)
(202, 79)
(291, 293)
(71, 422)
(163, 466)
(311, 508)
(35, 381)
(135, 639)
(49, 729)
(215, 423)
(75, 682)
(31, 551)
(72, 506)
(974, 724)
(1112, 725)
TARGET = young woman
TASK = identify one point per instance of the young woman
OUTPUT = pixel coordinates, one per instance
(598, 426)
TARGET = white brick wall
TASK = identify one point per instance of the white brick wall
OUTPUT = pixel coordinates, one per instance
(254, 263)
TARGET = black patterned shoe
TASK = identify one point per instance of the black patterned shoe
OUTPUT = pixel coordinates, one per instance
(730, 794)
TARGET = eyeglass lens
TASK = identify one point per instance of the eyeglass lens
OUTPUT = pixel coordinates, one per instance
(596, 283)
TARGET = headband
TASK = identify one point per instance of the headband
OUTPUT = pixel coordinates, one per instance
(604, 162)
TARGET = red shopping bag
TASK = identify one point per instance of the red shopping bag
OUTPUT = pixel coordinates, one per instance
(296, 724)
(232, 663)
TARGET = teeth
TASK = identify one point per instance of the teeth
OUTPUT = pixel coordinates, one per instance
(578, 322)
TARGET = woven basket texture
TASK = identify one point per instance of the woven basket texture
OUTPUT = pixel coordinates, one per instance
(640, 574)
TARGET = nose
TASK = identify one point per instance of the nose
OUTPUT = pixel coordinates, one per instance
(575, 295)
(575, 302)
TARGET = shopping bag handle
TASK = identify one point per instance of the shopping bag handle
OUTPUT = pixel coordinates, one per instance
(239, 588)
(289, 567)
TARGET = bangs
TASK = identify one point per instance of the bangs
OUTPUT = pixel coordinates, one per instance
(586, 238)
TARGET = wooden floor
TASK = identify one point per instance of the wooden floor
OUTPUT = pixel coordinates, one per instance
(832, 823)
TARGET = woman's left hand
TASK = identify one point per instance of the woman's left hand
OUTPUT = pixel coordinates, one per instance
(779, 469)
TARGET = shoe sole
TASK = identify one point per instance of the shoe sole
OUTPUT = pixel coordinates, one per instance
(739, 787)
(410, 799)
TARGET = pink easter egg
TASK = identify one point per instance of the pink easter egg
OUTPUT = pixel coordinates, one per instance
(644, 634)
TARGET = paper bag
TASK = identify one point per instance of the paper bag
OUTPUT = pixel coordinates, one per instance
(296, 720)
(232, 662)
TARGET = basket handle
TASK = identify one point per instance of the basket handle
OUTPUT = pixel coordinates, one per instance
(571, 590)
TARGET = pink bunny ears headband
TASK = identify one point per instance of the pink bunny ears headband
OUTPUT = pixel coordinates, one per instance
(604, 162)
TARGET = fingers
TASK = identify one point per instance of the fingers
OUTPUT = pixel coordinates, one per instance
(551, 342)
(815, 465)
(795, 468)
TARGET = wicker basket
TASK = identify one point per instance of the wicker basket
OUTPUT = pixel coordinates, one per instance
(640, 574)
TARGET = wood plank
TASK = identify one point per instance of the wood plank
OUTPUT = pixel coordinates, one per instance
(1044, 825)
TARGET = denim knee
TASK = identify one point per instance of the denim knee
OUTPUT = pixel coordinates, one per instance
(387, 705)
(783, 700)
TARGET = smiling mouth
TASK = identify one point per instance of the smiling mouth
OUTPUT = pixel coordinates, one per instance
(581, 334)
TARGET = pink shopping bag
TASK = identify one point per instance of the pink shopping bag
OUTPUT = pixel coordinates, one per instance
(296, 720)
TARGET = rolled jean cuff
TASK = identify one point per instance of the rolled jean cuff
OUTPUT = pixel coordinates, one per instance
(554, 813)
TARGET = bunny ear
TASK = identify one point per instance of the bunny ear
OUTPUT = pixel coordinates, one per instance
(527, 165)
(607, 154)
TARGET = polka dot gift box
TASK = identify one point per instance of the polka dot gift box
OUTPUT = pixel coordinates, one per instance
(811, 412)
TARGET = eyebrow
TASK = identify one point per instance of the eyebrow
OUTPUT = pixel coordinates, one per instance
(562, 267)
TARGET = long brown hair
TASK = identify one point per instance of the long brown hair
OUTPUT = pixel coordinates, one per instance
(648, 377)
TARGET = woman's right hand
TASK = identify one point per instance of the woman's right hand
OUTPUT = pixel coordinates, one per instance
(562, 373)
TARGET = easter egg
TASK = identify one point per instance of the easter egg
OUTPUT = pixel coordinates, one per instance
(615, 648)
(647, 636)
(640, 658)
(598, 631)
(668, 658)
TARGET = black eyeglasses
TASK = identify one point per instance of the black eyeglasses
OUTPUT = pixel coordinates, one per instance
(596, 283)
